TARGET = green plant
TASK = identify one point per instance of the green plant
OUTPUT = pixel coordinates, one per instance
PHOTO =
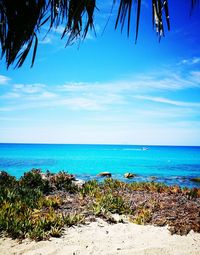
(63, 181)
(26, 212)
(33, 180)
(143, 217)
(29, 212)
(194, 193)
(7, 180)
(73, 219)
(114, 185)
(110, 203)
(55, 231)
(28, 196)
(149, 186)
(90, 188)
(53, 201)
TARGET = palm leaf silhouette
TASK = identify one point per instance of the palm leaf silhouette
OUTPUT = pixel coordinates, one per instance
(21, 20)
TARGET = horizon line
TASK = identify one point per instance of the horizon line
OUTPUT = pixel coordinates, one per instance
(97, 144)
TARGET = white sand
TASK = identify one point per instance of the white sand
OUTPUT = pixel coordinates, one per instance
(102, 238)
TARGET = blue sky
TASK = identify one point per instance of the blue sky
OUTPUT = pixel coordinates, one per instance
(106, 89)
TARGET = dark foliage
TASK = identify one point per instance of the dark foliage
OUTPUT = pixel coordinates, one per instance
(33, 180)
(6, 180)
(21, 20)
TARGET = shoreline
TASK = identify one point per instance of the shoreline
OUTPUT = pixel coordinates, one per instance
(40, 207)
(102, 238)
(191, 181)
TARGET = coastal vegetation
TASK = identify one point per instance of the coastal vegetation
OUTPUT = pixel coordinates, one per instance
(39, 205)
(29, 207)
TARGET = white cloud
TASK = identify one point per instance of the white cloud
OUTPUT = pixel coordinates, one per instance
(190, 61)
(4, 79)
(163, 80)
(74, 87)
(102, 96)
(196, 76)
(169, 81)
(41, 96)
(71, 103)
(48, 95)
(82, 103)
(164, 113)
(29, 88)
(168, 101)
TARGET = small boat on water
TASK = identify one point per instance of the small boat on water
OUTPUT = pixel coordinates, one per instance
(145, 148)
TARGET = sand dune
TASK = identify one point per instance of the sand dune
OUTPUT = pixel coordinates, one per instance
(105, 239)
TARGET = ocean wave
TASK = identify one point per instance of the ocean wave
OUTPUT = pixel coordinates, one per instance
(135, 149)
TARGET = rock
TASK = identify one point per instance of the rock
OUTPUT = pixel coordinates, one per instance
(195, 179)
(153, 178)
(129, 175)
(104, 174)
(78, 183)
(119, 218)
(44, 176)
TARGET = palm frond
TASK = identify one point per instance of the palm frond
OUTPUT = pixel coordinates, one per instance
(194, 3)
(138, 19)
(159, 11)
(19, 24)
(21, 20)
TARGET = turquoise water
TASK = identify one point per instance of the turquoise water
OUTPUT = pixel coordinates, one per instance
(170, 164)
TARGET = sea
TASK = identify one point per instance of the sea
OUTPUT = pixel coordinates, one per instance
(172, 165)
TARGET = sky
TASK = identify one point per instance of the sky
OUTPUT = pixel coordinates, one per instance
(107, 89)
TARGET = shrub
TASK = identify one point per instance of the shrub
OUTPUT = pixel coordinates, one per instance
(25, 210)
(110, 203)
(114, 185)
(63, 181)
(53, 201)
(143, 217)
(73, 219)
(7, 180)
(90, 188)
(33, 180)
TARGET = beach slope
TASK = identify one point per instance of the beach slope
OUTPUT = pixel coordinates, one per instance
(102, 238)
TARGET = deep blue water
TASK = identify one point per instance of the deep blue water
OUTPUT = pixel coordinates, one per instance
(170, 164)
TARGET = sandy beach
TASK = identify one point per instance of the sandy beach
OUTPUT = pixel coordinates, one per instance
(102, 238)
